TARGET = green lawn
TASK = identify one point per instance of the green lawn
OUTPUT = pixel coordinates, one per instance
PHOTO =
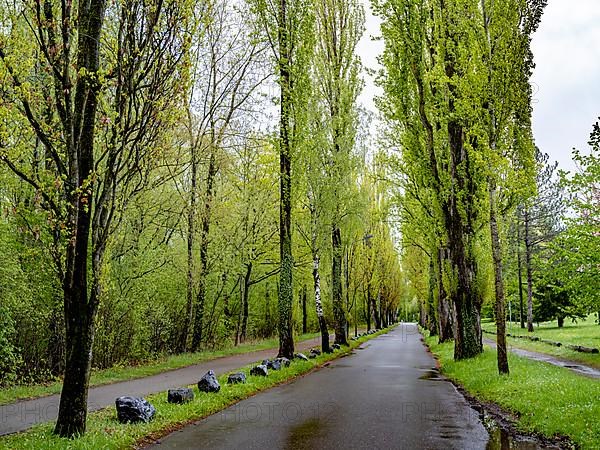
(105, 432)
(122, 373)
(584, 332)
(549, 400)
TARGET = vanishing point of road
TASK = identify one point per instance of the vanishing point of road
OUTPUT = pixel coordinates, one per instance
(385, 395)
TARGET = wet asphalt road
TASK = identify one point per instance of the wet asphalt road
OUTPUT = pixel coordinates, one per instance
(384, 396)
(24, 414)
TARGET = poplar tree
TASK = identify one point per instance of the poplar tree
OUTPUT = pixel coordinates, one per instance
(288, 27)
(339, 27)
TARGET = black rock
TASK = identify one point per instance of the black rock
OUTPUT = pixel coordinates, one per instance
(301, 356)
(259, 371)
(180, 395)
(134, 410)
(336, 346)
(284, 361)
(273, 364)
(209, 383)
(236, 378)
(315, 351)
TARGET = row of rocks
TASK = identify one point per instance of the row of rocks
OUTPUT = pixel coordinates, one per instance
(577, 348)
(366, 333)
(137, 409)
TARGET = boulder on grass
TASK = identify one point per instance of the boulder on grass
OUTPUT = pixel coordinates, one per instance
(316, 351)
(301, 356)
(209, 383)
(273, 364)
(180, 395)
(236, 378)
(134, 410)
(284, 361)
(336, 346)
(259, 371)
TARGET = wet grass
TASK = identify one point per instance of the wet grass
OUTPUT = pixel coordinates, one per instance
(547, 399)
(149, 368)
(105, 432)
(583, 332)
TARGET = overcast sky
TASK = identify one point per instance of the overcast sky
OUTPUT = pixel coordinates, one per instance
(566, 80)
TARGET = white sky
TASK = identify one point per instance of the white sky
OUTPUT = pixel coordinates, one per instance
(566, 80)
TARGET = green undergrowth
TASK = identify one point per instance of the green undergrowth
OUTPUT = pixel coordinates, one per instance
(547, 399)
(125, 373)
(105, 432)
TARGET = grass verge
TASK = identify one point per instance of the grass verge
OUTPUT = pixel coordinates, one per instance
(125, 373)
(105, 432)
(548, 400)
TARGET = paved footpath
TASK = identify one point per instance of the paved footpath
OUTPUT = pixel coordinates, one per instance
(22, 415)
(573, 366)
(386, 395)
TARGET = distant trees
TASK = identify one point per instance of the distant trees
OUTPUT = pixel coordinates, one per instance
(538, 222)
(575, 254)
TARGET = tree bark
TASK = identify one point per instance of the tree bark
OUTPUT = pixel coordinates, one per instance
(444, 312)
(336, 281)
(285, 301)
(520, 275)
(319, 305)
(183, 344)
(246, 293)
(368, 308)
(304, 312)
(204, 237)
(528, 257)
(80, 307)
(468, 342)
(503, 368)
(375, 310)
(433, 322)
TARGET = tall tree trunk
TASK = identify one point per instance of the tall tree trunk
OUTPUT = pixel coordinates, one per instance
(246, 294)
(304, 312)
(468, 341)
(520, 275)
(433, 322)
(80, 307)
(319, 305)
(183, 345)
(286, 338)
(348, 309)
(444, 312)
(336, 281)
(499, 282)
(204, 236)
(368, 308)
(528, 256)
(375, 310)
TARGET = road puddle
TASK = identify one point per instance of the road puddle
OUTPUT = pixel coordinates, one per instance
(501, 439)
(431, 375)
